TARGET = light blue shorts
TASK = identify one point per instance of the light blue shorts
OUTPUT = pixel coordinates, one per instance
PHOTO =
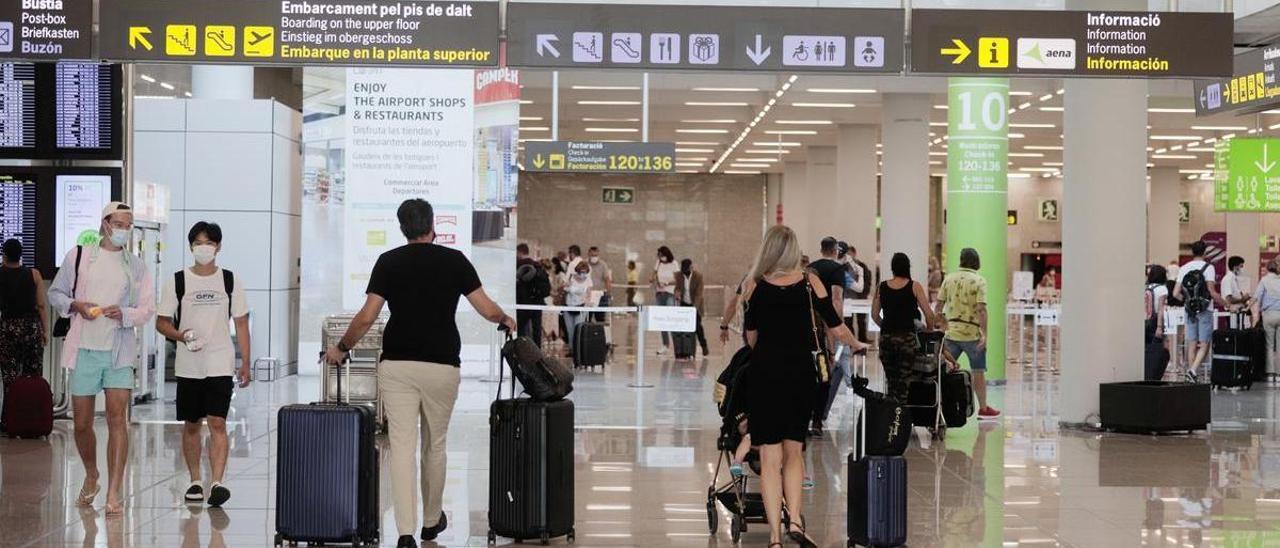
(93, 373)
(977, 357)
(1200, 327)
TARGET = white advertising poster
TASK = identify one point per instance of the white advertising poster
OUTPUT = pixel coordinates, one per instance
(409, 135)
(79, 208)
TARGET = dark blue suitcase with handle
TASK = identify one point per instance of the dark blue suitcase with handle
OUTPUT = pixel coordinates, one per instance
(327, 474)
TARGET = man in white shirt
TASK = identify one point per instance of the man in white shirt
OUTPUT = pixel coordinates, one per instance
(1199, 295)
(1233, 291)
(601, 280)
(194, 312)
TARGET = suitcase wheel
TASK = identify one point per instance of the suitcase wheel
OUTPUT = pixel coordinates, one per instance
(493, 539)
(546, 538)
(572, 536)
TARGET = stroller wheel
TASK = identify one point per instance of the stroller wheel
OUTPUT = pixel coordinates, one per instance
(712, 520)
(738, 526)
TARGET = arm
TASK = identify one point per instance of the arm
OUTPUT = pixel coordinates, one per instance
(164, 326)
(61, 296)
(242, 338)
(608, 280)
(875, 309)
(42, 307)
(1177, 289)
(938, 307)
(837, 300)
(1160, 316)
(145, 307)
(836, 329)
(359, 326)
(490, 310)
(982, 325)
(730, 310)
(922, 300)
(1216, 296)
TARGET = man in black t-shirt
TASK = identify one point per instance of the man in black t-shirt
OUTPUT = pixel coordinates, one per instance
(831, 273)
(533, 286)
(418, 373)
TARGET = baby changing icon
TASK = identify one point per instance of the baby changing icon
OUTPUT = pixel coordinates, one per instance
(870, 51)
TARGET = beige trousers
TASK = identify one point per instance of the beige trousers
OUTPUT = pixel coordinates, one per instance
(417, 397)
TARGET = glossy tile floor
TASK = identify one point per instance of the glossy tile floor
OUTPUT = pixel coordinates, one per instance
(645, 458)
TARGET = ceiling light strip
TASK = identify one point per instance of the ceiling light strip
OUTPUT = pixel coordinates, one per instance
(758, 119)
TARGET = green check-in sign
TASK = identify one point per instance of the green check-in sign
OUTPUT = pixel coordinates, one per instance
(1247, 175)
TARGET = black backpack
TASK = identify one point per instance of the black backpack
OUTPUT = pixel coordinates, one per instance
(180, 287)
(533, 285)
(1195, 291)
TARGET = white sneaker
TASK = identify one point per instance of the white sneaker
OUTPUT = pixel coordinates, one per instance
(662, 351)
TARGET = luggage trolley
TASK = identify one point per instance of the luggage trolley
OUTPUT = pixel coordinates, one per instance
(362, 370)
(924, 390)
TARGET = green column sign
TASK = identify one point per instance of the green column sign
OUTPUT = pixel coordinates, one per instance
(977, 193)
(1247, 175)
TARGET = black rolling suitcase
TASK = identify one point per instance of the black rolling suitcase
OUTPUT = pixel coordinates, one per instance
(1234, 353)
(957, 398)
(590, 346)
(877, 514)
(531, 475)
(684, 345)
(327, 470)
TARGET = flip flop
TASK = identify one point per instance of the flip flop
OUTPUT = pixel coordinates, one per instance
(114, 511)
(86, 499)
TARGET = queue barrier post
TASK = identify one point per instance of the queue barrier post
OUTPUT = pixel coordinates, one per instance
(638, 380)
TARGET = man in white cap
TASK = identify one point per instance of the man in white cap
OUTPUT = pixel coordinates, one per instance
(106, 292)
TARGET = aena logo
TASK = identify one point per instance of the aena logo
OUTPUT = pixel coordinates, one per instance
(1047, 53)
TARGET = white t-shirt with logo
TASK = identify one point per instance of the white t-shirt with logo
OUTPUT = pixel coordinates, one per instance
(204, 311)
(105, 280)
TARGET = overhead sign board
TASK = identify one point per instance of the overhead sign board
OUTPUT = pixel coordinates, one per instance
(46, 29)
(301, 32)
(599, 157)
(705, 37)
(1252, 85)
(1247, 175)
(1071, 43)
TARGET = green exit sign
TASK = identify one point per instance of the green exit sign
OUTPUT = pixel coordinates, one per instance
(618, 195)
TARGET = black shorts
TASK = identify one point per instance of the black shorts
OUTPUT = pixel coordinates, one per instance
(207, 397)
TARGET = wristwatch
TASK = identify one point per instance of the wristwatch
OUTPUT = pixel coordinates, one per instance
(342, 347)
(724, 328)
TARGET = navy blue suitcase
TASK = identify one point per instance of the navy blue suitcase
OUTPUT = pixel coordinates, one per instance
(327, 474)
(877, 496)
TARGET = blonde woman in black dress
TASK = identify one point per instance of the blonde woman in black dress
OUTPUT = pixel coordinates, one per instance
(786, 310)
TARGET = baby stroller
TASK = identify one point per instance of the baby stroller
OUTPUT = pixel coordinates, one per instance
(924, 390)
(746, 507)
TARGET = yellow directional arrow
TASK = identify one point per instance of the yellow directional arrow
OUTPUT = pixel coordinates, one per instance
(538, 162)
(961, 51)
(138, 35)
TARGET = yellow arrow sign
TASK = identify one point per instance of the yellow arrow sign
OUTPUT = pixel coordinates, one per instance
(138, 35)
(961, 51)
(538, 162)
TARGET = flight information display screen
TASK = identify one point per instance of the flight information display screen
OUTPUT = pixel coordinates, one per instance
(60, 111)
(18, 212)
(83, 106)
(18, 106)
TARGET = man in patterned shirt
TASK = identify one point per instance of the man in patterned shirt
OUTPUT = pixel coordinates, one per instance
(962, 301)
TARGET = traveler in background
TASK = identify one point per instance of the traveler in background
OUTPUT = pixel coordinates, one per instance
(832, 275)
(23, 319)
(558, 284)
(1266, 312)
(205, 362)
(575, 294)
(1047, 289)
(533, 286)
(1197, 288)
(1156, 295)
(663, 281)
(962, 311)
(418, 372)
(691, 294)
(935, 279)
(1171, 271)
(633, 279)
(574, 257)
(896, 308)
(109, 295)
(1233, 291)
(601, 280)
(864, 292)
(779, 322)
(550, 318)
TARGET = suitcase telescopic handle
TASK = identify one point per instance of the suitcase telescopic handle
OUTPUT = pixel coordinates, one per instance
(346, 360)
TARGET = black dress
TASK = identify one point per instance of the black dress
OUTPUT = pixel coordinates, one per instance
(780, 395)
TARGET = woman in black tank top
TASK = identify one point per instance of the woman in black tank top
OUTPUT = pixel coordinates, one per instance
(896, 308)
(22, 318)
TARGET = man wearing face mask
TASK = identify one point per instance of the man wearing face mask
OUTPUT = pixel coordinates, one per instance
(601, 280)
(194, 312)
(106, 292)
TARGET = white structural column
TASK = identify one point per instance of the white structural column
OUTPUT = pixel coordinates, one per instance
(822, 195)
(795, 188)
(858, 197)
(904, 192)
(772, 199)
(1244, 230)
(221, 82)
(1162, 215)
(1103, 250)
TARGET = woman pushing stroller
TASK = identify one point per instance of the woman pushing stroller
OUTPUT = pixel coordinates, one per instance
(787, 311)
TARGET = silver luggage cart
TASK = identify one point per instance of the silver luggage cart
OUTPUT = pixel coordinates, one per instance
(362, 378)
(924, 401)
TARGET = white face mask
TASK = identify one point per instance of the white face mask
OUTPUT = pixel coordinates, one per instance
(204, 254)
(595, 260)
(119, 238)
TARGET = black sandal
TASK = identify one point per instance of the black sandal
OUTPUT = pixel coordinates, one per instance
(800, 537)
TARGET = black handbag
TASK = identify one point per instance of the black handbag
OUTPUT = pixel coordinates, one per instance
(63, 324)
(888, 425)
